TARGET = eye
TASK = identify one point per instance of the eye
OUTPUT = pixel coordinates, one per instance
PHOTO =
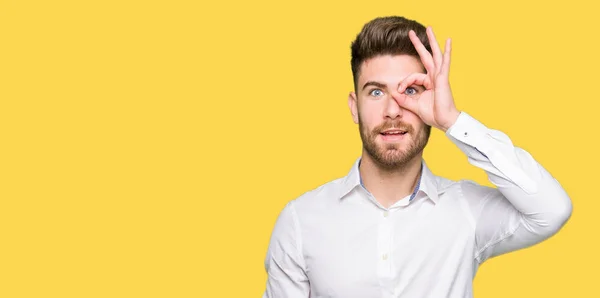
(410, 91)
(376, 92)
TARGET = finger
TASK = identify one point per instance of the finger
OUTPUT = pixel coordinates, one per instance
(446, 63)
(435, 49)
(408, 103)
(425, 56)
(420, 79)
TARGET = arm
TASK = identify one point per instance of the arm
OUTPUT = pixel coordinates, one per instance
(284, 263)
(528, 205)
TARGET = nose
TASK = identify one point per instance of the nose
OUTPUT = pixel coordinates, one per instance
(392, 108)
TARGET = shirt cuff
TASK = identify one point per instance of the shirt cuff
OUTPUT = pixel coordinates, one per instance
(483, 145)
(467, 129)
(470, 131)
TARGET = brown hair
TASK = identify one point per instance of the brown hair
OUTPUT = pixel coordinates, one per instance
(385, 36)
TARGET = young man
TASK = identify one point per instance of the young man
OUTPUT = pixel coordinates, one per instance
(391, 228)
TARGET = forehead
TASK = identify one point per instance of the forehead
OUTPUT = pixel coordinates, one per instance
(389, 69)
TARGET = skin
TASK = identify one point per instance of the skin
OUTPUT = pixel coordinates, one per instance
(406, 93)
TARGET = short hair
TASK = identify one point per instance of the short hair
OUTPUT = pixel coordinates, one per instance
(385, 36)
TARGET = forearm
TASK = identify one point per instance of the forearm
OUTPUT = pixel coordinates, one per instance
(527, 185)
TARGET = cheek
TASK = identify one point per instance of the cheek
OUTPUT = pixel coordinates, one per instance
(369, 117)
(372, 110)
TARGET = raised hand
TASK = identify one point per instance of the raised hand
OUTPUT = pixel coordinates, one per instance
(435, 106)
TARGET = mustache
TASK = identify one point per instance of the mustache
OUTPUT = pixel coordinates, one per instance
(390, 125)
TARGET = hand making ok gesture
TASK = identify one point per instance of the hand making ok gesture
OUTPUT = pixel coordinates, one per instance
(435, 106)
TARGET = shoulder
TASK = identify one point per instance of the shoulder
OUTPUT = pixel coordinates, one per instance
(319, 197)
(466, 188)
(470, 194)
(472, 190)
(466, 197)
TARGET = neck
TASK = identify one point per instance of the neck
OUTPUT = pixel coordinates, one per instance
(388, 186)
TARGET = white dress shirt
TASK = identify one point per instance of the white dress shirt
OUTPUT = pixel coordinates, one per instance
(338, 241)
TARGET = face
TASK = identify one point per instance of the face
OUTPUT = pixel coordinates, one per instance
(391, 136)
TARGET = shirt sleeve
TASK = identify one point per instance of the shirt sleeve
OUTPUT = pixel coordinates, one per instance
(284, 263)
(527, 206)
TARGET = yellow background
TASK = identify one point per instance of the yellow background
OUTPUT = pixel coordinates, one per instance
(147, 147)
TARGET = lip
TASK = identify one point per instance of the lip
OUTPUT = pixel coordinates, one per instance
(394, 137)
(393, 130)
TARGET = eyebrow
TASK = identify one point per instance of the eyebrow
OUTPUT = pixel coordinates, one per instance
(373, 83)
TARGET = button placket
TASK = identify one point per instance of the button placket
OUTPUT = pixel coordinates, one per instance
(384, 245)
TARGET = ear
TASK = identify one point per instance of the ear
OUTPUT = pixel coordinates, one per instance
(353, 105)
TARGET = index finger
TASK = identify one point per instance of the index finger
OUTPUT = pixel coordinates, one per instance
(435, 48)
(423, 53)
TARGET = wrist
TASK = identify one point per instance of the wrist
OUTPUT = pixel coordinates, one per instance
(453, 116)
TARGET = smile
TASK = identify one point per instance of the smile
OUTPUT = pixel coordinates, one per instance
(393, 135)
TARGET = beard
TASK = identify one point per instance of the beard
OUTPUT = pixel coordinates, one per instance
(392, 155)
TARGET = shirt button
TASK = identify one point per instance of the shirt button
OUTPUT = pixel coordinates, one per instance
(385, 214)
(384, 257)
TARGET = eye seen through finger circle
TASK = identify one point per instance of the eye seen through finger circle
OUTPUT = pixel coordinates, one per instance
(410, 91)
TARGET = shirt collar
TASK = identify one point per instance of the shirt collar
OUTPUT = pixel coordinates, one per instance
(427, 182)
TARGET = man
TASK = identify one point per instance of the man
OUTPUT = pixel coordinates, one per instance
(391, 228)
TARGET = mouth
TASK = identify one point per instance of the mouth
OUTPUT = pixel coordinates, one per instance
(393, 134)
